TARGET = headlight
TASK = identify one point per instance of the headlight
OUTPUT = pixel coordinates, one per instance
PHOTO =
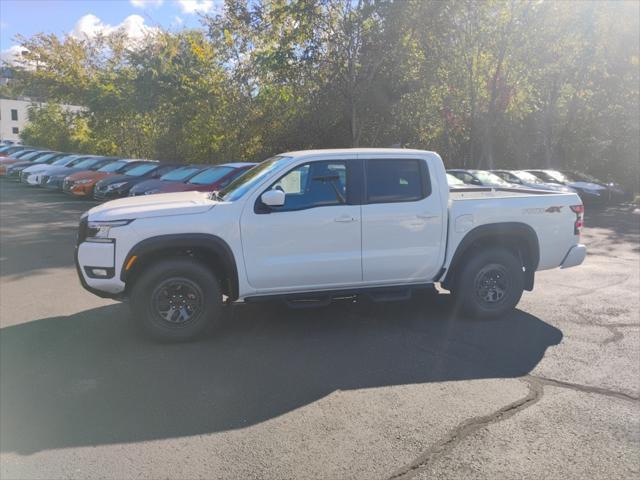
(115, 186)
(99, 231)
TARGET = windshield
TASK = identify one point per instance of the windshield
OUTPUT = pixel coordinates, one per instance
(488, 178)
(85, 164)
(245, 182)
(27, 155)
(140, 170)
(527, 177)
(113, 167)
(180, 174)
(557, 176)
(45, 158)
(211, 175)
(64, 160)
(451, 180)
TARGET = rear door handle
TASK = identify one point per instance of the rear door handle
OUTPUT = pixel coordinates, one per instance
(426, 216)
(345, 219)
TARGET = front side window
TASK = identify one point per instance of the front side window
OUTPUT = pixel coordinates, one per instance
(394, 180)
(316, 184)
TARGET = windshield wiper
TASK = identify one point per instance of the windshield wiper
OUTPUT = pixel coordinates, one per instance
(215, 195)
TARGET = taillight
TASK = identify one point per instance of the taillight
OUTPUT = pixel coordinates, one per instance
(579, 223)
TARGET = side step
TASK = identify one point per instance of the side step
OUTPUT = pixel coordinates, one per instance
(301, 303)
(322, 299)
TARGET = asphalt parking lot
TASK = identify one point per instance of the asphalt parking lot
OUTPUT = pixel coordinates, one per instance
(401, 390)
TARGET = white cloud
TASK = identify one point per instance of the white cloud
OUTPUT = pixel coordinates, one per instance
(91, 26)
(146, 3)
(195, 6)
(178, 20)
(11, 54)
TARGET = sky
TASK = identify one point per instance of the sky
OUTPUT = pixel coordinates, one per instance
(87, 17)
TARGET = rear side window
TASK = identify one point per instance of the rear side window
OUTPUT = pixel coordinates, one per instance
(395, 180)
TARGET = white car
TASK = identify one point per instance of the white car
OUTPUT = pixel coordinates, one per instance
(526, 179)
(310, 226)
(31, 175)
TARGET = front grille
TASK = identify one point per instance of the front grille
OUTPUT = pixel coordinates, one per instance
(44, 179)
(66, 185)
(23, 176)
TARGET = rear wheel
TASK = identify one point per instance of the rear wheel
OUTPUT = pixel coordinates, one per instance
(490, 283)
(176, 300)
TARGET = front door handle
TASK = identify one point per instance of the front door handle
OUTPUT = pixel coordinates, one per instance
(345, 219)
(426, 216)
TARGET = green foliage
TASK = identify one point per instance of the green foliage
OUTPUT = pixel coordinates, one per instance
(53, 127)
(498, 83)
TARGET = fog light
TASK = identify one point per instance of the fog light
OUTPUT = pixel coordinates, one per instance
(99, 272)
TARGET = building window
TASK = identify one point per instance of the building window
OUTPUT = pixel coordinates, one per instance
(15, 130)
(14, 114)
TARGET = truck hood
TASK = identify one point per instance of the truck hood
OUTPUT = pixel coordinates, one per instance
(149, 206)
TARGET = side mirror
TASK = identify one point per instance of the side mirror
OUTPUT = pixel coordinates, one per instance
(273, 198)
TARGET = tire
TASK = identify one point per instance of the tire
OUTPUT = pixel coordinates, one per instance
(176, 300)
(490, 283)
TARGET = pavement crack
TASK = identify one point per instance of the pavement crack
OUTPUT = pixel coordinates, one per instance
(467, 428)
(583, 388)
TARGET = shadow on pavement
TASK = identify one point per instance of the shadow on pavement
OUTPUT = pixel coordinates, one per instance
(38, 228)
(90, 379)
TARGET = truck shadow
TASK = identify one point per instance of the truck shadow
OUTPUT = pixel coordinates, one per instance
(90, 379)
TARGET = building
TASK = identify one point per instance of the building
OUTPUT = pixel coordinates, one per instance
(14, 115)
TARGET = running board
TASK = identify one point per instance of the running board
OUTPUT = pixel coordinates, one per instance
(322, 299)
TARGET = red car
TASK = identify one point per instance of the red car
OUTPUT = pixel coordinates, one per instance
(204, 179)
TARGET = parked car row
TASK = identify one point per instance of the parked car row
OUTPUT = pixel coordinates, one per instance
(591, 190)
(106, 178)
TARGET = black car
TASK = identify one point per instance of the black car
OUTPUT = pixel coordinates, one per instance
(118, 186)
(591, 193)
(44, 158)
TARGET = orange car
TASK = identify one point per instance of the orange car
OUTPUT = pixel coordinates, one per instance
(81, 184)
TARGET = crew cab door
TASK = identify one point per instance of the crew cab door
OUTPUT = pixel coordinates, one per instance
(402, 222)
(313, 240)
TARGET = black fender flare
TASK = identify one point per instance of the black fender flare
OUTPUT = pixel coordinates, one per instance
(519, 230)
(201, 241)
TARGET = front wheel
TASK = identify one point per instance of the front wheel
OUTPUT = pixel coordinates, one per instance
(176, 299)
(490, 283)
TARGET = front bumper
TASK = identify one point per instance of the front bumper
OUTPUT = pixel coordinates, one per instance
(108, 194)
(54, 183)
(574, 257)
(112, 287)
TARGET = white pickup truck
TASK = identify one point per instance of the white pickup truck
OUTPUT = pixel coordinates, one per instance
(310, 226)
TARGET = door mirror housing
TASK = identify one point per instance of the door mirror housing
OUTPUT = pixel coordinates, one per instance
(273, 198)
